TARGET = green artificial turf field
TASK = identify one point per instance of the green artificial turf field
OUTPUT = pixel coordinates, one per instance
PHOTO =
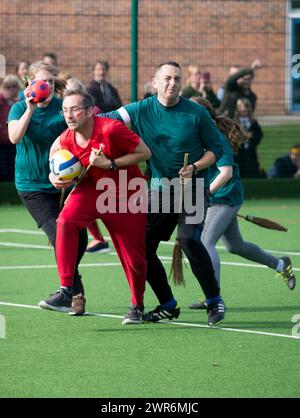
(49, 354)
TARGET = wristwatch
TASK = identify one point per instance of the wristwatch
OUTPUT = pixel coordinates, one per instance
(113, 165)
(195, 169)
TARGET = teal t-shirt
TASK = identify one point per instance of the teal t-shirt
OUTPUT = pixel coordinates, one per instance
(170, 132)
(32, 159)
(232, 193)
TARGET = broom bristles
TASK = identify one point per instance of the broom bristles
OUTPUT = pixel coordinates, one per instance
(263, 222)
(176, 267)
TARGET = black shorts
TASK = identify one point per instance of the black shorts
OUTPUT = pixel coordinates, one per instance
(42, 206)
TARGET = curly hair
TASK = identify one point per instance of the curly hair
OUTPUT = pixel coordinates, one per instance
(228, 127)
(60, 84)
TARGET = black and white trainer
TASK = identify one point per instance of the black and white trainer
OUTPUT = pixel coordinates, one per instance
(287, 274)
(160, 313)
(216, 312)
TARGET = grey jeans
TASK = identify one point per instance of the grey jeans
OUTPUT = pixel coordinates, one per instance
(221, 223)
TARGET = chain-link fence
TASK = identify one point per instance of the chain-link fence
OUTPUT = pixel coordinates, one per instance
(212, 34)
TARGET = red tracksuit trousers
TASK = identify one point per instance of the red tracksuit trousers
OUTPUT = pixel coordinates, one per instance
(127, 231)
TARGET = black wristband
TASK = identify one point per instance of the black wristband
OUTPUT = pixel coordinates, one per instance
(195, 168)
(113, 165)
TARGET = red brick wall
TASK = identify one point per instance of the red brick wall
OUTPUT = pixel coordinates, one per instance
(211, 33)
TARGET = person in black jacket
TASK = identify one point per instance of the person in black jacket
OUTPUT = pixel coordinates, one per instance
(246, 157)
(238, 86)
(105, 95)
(287, 165)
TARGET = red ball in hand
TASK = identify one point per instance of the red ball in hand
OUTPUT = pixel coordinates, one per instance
(40, 91)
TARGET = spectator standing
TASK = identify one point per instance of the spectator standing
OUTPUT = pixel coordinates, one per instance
(8, 96)
(22, 71)
(238, 86)
(221, 90)
(206, 91)
(50, 58)
(106, 96)
(193, 84)
(246, 156)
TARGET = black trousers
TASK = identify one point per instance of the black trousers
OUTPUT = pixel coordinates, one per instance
(44, 209)
(160, 227)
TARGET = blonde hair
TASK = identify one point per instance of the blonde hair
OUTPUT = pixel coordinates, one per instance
(192, 69)
(78, 84)
(60, 84)
(64, 75)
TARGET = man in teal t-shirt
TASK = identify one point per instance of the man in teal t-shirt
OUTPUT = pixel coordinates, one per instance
(171, 126)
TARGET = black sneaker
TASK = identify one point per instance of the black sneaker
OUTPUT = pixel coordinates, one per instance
(160, 313)
(216, 312)
(287, 274)
(100, 247)
(134, 316)
(59, 301)
(198, 305)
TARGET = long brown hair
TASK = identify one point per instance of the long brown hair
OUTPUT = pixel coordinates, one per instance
(60, 84)
(228, 127)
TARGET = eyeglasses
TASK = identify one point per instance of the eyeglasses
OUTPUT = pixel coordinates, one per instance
(73, 109)
(11, 87)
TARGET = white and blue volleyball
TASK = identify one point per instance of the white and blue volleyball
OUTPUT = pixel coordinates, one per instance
(65, 165)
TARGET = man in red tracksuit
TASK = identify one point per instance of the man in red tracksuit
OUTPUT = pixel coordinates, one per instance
(122, 149)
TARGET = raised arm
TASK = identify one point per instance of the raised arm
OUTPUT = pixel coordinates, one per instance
(17, 128)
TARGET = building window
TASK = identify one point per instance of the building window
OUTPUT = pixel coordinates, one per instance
(295, 5)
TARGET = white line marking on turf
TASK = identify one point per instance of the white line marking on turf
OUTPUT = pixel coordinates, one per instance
(50, 266)
(165, 259)
(16, 245)
(21, 231)
(185, 324)
(169, 243)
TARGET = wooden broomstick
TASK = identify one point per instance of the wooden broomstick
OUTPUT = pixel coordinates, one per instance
(176, 272)
(264, 223)
(84, 172)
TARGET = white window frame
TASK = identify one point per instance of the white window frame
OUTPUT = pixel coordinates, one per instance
(288, 56)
